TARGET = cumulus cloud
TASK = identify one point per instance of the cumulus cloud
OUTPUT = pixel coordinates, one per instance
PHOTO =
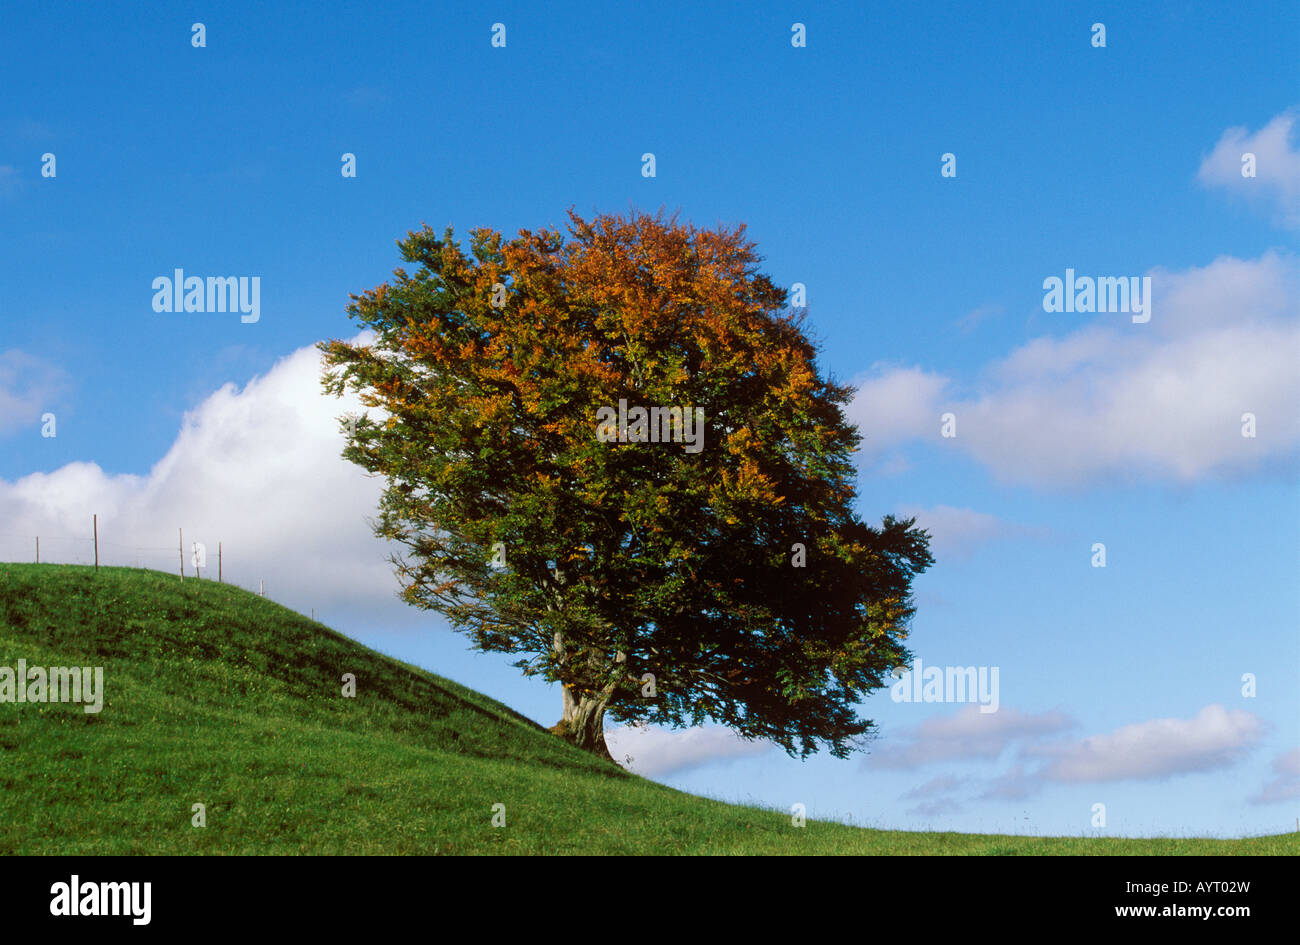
(1114, 400)
(29, 386)
(1277, 166)
(1286, 785)
(1214, 738)
(658, 751)
(966, 735)
(896, 404)
(258, 469)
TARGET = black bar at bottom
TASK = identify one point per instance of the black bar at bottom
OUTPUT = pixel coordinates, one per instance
(304, 894)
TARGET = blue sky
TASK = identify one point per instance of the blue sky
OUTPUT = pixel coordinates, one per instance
(1119, 685)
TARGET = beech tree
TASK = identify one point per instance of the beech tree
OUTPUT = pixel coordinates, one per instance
(613, 455)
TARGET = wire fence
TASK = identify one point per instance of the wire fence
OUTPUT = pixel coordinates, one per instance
(186, 558)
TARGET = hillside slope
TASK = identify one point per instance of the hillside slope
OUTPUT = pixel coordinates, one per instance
(214, 695)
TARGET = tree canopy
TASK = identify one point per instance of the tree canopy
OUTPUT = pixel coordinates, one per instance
(534, 401)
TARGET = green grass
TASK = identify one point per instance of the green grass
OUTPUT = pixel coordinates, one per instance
(218, 696)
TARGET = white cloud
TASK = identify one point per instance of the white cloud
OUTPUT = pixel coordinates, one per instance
(1160, 748)
(1215, 738)
(942, 807)
(957, 532)
(944, 784)
(660, 751)
(895, 405)
(1114, 400)
(1277, 166)
(258, 469)
(1286, 785)
(977, 316)
(966, 735)
(1018, 784)
(29, 386)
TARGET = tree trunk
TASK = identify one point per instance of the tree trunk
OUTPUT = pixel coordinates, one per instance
(583, 724)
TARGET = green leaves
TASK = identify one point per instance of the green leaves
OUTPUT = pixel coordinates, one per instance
(680, 560)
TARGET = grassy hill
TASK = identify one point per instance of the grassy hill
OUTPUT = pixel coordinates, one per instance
(218, 696)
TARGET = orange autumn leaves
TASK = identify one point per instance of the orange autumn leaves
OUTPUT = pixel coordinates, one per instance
(492, 365)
